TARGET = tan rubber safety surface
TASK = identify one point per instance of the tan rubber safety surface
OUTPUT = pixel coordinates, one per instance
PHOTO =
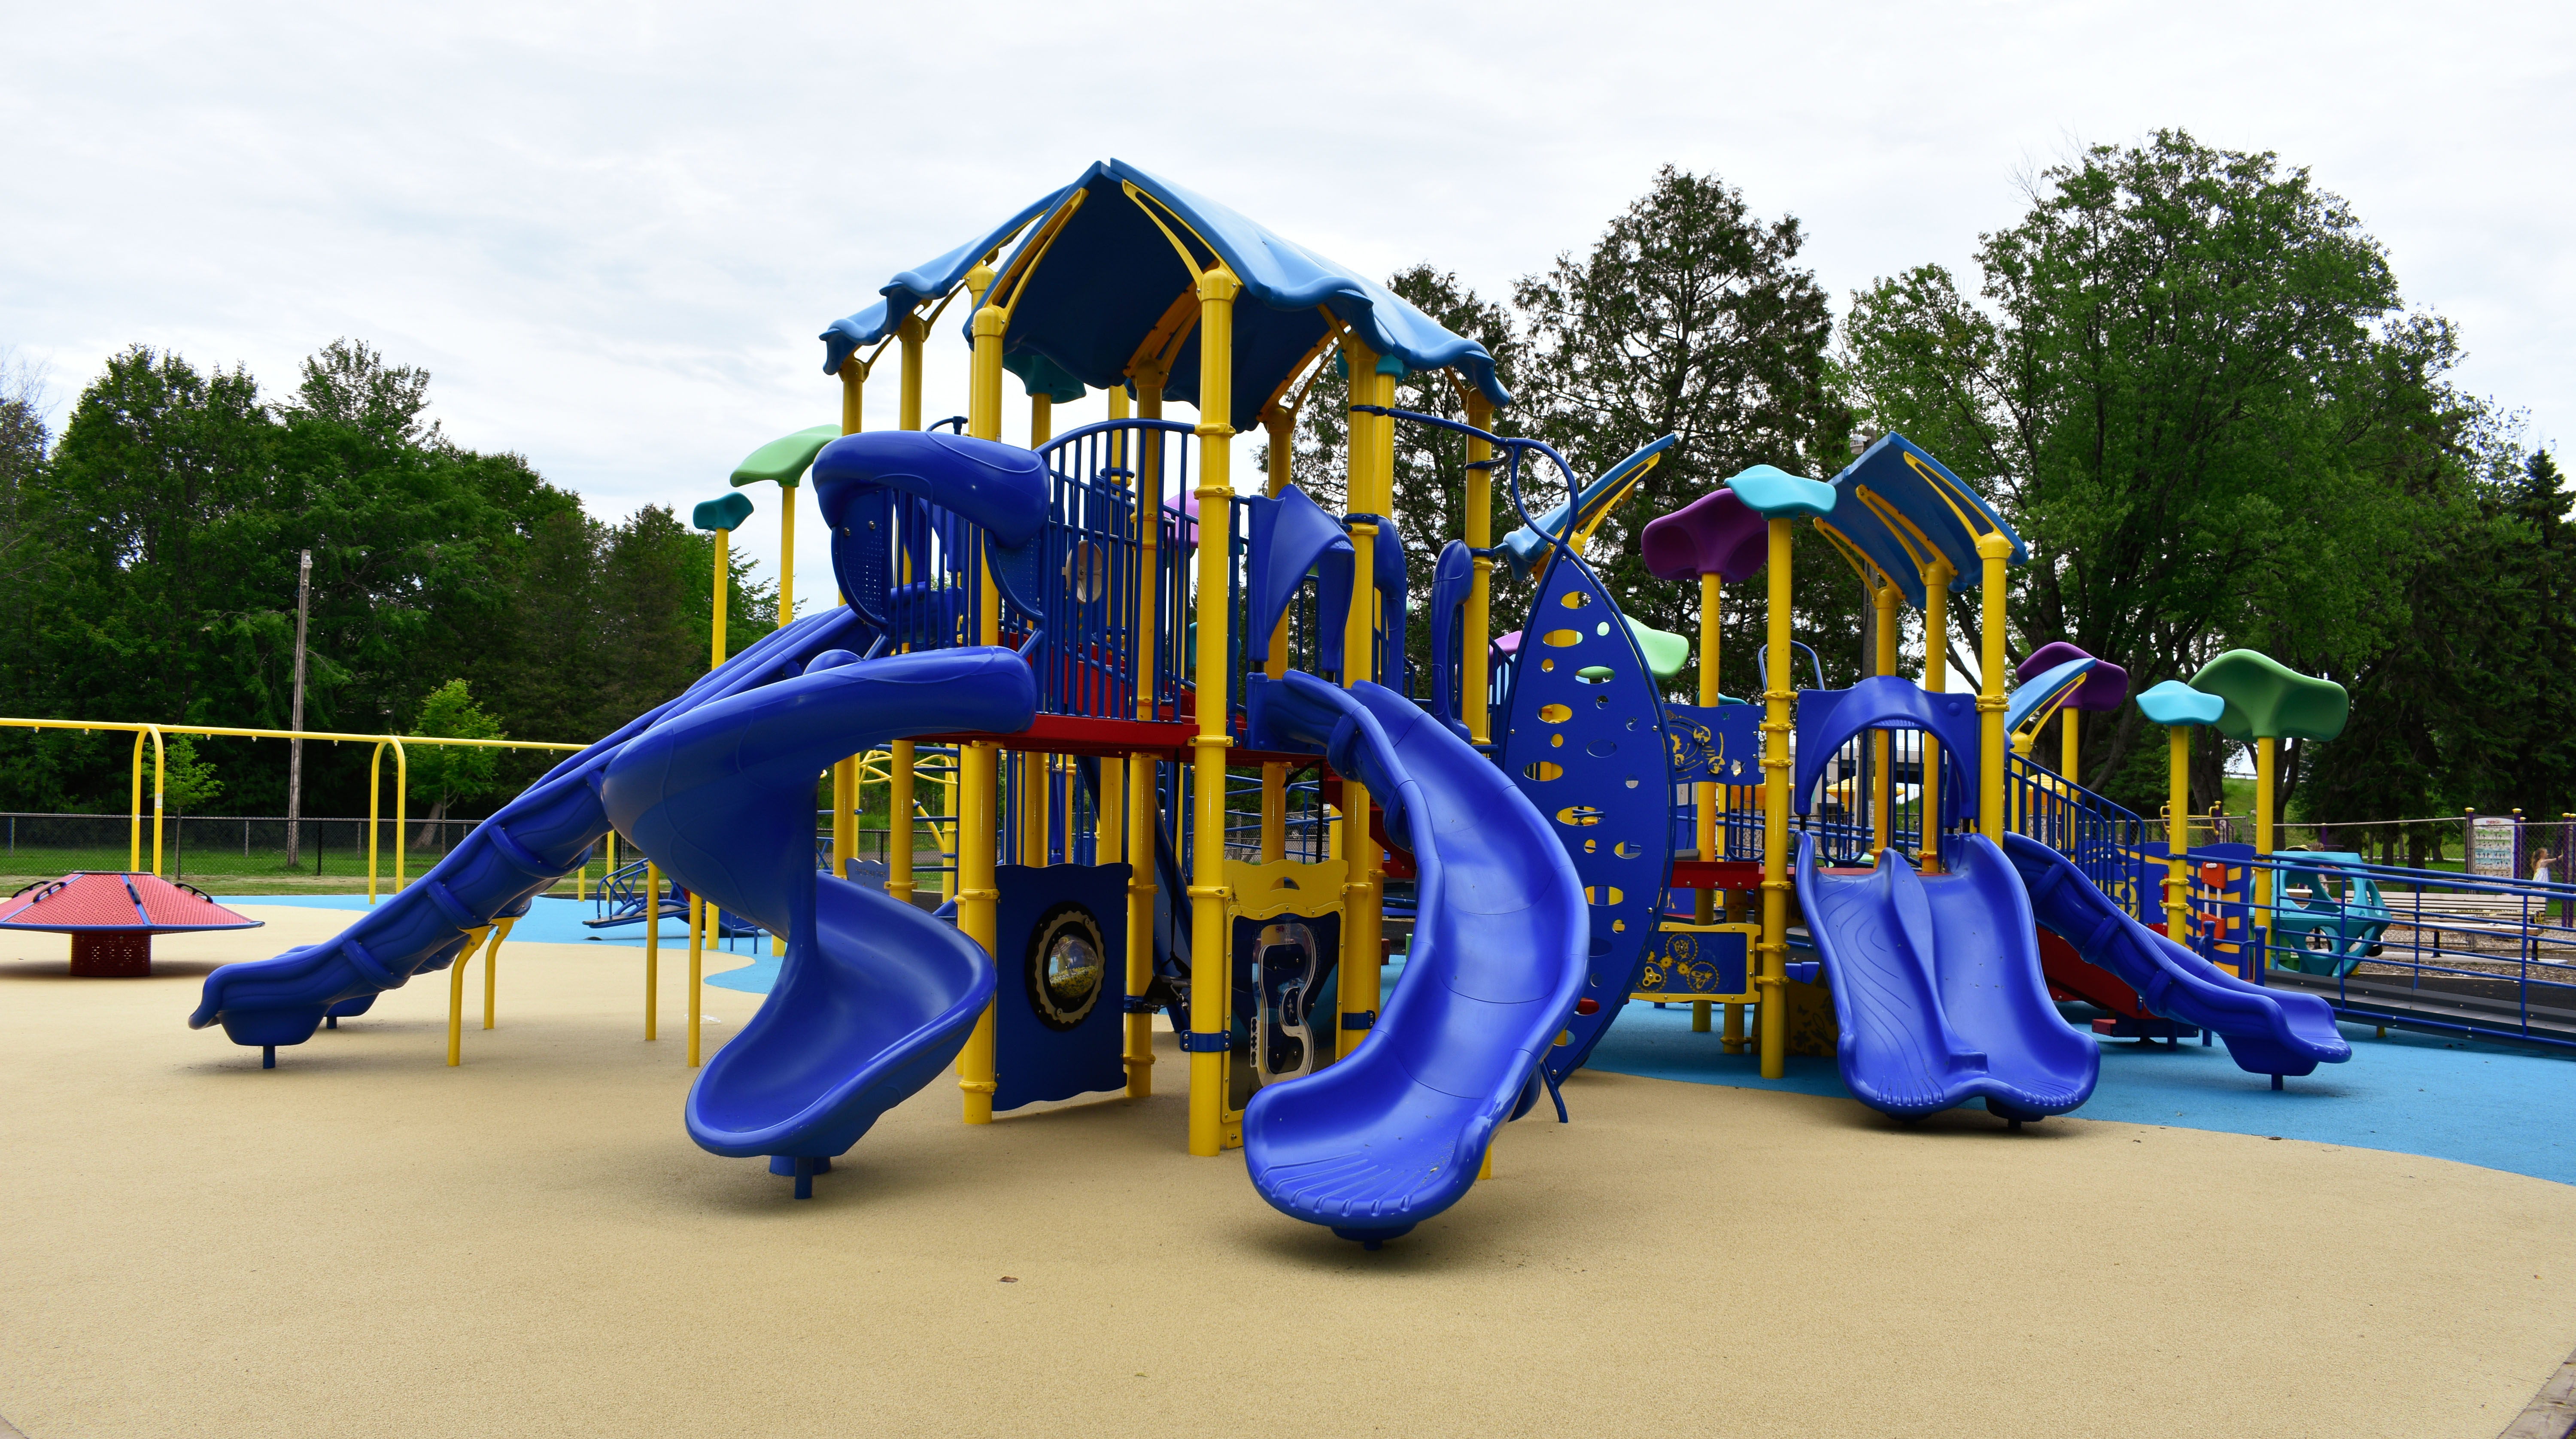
(365, 1242)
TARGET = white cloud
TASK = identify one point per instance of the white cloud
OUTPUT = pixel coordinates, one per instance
(612, 232)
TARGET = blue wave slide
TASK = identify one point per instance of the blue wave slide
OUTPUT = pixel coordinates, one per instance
(1395, 1133)
(2267, 1031)
(1937, 986)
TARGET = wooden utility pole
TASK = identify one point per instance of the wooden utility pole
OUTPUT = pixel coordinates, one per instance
(295, 747)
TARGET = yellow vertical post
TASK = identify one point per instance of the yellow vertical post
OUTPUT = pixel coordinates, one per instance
(1777, 699)
(1704, 901)
(1936, 678)
(1144, 816)
(697, 968)
(492, 966)
(375, 790)
(1883, 597)
(456, 995)
(134, 819)
(2266, 757)
(652, 951)
(1473, 646)
(2177, 831)
(1993, 549)
(1274, 775)
(2074, 747)
(845, 774)
(900, 760)
(786, 553)
(1372, 442)
(1037, 771)
(161, 778)
(716, 631)
(977, 792)
(1209, 984)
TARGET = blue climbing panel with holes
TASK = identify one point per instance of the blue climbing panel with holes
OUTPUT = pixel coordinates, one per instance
(1584, 739)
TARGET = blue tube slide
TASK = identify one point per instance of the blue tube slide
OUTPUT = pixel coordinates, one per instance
(1396, 1131)
(875, 998)
(537, 838)
(1937, 987)
(2268, 1031)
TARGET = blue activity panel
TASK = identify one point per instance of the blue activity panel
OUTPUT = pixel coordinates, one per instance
(1060, 942)
(1584, 740)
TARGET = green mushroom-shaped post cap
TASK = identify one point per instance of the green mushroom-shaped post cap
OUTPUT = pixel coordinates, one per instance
(2178, 704)
(1042, 376)
(1665, 651)
(724, 514)
(784, 461)
(1775, 494)
(2267, 699)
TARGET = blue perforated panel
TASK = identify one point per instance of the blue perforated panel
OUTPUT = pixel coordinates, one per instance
(1584, 740)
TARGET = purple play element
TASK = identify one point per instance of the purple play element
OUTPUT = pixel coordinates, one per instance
(1509, 644)
(1716, 534)
(2105, 685)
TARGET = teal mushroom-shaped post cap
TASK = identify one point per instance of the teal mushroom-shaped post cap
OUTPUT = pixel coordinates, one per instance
(2178, 704)
(2267, 699)
(727, 513)
(1775, 494)
(784, 461)
(1042, 376)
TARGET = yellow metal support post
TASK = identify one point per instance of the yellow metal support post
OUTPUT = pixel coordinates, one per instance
(899, 765)
(1777, 700)
(652, 951)
(1473, 678)
(978, 794)
(1144, 815)
(697, 968)
(1372, 444)
(2074, 747)
(1936, 678)
(1209, 983)
(1884, 598)
(2177, 832)
(1993, 549)
(456, 995)
(2267, 753)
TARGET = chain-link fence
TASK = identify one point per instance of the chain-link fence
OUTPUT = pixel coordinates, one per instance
(210, 848)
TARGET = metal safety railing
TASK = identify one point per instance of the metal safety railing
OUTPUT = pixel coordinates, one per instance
(375, 776)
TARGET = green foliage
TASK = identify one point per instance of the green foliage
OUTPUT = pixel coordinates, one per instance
(2189, 381)
(1690, 316)
(443, 774)
(150, 561)
(190, 780)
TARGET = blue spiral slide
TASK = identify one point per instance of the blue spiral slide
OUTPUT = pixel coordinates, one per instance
(1395, 1132)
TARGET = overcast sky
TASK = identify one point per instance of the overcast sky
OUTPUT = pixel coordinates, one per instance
(613, 232)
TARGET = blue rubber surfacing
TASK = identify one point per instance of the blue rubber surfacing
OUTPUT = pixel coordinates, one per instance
(2495, 1106)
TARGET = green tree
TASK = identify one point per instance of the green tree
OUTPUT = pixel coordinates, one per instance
(2189, 381)
(1691, 316)
(445, 774)
(179, 775)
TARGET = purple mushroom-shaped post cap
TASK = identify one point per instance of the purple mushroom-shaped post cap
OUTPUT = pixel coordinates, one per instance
(1716, 534)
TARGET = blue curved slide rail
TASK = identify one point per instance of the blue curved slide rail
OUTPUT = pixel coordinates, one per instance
(2267, 1031)
(874, 998)
(1396, 1132)
(1937, 985)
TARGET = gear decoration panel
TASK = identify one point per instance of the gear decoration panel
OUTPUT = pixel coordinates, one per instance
(1584, 739)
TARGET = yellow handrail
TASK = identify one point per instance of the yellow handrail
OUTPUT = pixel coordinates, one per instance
(160, 775)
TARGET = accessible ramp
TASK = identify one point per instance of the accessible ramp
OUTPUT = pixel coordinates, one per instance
(2268, 1031)
(1937, 987)
(874, 998)
(538, 837)
(1396, 1131)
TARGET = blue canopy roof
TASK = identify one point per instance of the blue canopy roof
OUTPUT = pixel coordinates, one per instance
(927, 283)
(1109, 276)
(1901, 510)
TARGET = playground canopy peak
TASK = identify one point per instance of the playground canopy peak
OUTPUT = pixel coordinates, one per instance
(2105, 684)
(784, 461)
(2175, 703)
(1099, 272)
(1716, 534)
(2267, 699)
(1903, 512)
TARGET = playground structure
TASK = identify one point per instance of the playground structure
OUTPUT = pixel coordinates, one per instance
(1159, 801)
